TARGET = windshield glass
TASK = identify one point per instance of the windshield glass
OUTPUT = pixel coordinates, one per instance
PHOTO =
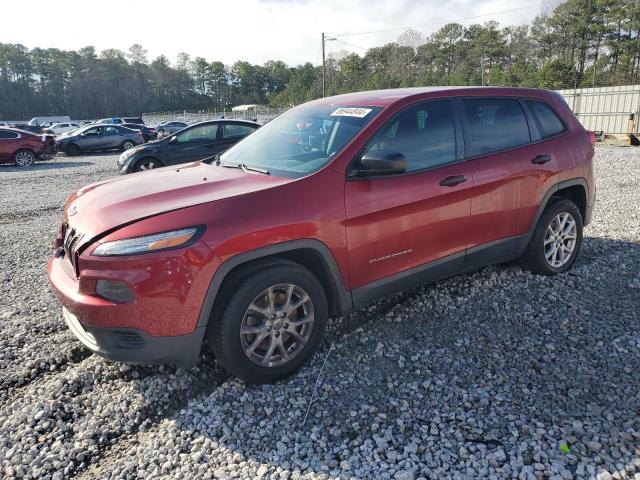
(301, 140)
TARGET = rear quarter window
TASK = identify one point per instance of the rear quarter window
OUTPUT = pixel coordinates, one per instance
(4, 134)
(547, 120)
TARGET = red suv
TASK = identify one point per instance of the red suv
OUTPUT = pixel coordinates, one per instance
(333, 204)
(22, 147)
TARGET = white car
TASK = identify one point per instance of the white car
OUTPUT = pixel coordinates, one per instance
(59, 128)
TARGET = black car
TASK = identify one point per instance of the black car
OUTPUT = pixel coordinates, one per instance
(195, 142)
(147, 132)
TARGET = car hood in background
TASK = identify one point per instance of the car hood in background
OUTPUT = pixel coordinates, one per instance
(108, 204)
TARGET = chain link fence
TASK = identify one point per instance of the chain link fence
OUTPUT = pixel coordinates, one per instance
(260, 114)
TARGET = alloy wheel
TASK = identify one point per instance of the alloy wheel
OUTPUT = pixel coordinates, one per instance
(277, 325)
(24, 159)
(560, 239)
(127, 145)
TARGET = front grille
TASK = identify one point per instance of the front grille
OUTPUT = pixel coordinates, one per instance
(70, 241)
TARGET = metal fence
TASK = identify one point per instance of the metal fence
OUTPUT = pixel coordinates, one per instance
(605, 108)
(261, 115)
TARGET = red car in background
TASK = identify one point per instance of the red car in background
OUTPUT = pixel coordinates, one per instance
(24, 148)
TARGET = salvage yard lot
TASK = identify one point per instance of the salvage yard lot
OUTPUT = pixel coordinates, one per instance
(495, 373)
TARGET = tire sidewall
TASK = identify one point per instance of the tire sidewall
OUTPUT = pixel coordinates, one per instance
(145, 160)
(233, 357)
(554, 209)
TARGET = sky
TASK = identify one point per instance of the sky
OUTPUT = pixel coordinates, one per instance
(250, 30)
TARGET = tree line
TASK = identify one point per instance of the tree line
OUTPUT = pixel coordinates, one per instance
(577, 43)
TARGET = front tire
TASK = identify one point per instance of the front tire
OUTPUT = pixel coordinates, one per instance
(556, 241)
(147, 163)
(24, 158)
(72, 150)
(272, 322)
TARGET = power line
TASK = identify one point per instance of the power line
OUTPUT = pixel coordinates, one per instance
(350, 44)
(434, 23)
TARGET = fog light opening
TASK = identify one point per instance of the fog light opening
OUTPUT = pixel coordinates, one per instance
(114, 290)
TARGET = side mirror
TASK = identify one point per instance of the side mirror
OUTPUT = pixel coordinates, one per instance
(380, 162)
(173, 139)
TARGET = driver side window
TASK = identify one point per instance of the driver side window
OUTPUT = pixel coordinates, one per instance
(200, 133)
(424, 134)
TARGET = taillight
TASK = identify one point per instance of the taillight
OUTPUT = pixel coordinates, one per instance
(592, 137)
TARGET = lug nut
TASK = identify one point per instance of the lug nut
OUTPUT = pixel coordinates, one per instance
(286, 325)
(277, 334)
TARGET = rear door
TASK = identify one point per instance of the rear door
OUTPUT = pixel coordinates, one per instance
(233, 132)
(195, 143)
(508, 169)
(8, 143)
(399, 222)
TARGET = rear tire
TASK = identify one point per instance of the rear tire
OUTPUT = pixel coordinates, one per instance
(281, 309)
(556, 241)
(24, 158)
(72, 150)
(127, 144)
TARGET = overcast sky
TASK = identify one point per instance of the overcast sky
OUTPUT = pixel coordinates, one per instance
(230, 30)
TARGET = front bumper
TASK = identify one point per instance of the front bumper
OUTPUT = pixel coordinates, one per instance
(134, 346)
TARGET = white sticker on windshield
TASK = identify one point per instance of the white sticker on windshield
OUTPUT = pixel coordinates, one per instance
(351, 112)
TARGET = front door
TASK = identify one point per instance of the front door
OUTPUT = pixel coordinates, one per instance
(405, 224)
(195, 143)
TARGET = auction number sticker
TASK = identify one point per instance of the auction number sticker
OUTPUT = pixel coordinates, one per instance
(351, 112)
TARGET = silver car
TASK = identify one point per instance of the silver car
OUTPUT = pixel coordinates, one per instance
(169, 128)
(93, 138)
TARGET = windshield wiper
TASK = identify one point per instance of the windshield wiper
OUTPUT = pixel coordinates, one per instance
(244, 167)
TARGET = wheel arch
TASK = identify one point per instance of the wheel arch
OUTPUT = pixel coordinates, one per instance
(310, 253)
(574, 189)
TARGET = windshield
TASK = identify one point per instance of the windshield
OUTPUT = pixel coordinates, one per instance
(301, 140)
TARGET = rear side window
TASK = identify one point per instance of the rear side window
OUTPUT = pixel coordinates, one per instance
(423, 134)
(548, 122)
(494, 124)
(235, 130)
(5, 134)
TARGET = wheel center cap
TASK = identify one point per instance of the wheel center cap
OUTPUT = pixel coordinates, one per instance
(277, 325)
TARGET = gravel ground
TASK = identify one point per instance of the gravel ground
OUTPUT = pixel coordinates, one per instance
(495, 374)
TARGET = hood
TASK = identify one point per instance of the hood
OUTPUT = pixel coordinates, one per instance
(111, 203)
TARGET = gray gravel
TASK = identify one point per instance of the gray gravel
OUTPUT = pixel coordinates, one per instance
(495, 374)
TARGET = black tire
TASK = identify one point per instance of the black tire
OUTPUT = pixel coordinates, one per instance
(127, 145)
(147, 163)
(24, 158)
(534, 258)
(238, 293)
(72, 150)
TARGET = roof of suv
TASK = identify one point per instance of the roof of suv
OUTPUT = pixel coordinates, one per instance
(384, 98)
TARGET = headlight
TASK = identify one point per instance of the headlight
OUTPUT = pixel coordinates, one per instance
(150, 243)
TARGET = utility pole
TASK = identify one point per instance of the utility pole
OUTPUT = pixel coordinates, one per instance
(324, 40)
(323, 65)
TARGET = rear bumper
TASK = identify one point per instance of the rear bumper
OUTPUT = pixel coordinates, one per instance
(134, 346)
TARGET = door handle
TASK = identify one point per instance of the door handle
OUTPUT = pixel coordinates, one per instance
(541, 159)
(453, 180)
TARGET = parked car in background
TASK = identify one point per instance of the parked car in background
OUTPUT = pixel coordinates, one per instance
(29, 128)
(148, 133)
(121, 120)
(195, 142)
(136, 120)
(58, 128)
(94, 138)
(23, 148)
(169, 127)
(42, 121)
